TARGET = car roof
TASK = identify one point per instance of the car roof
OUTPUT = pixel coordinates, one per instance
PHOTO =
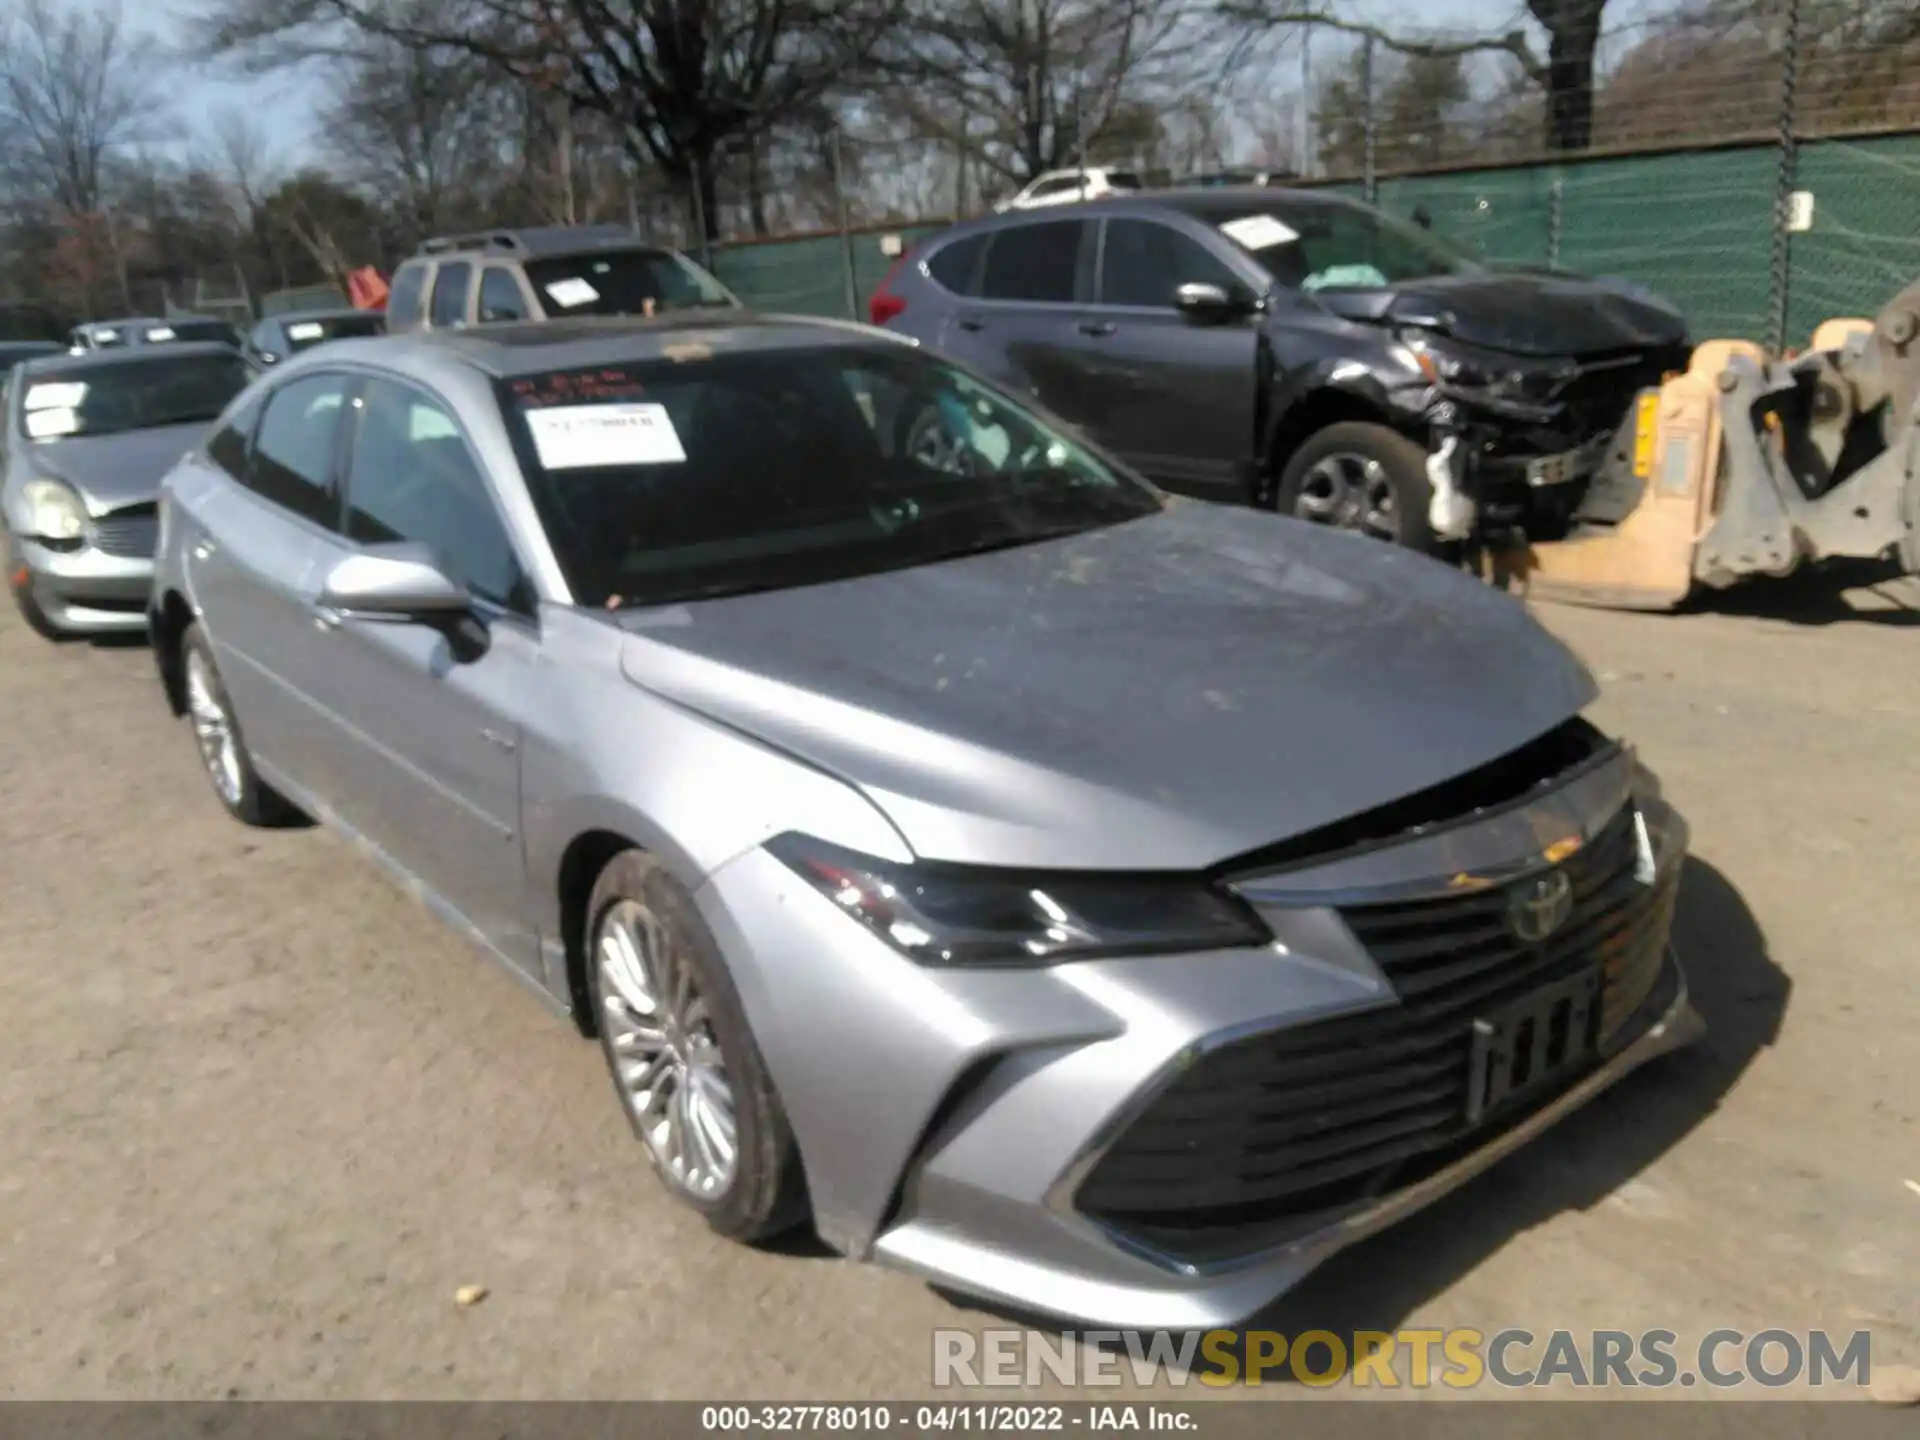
(1208, 203)
(124, 355)
(506, 351)
(535, 242)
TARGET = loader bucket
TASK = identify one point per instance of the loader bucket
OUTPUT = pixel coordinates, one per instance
(1832, 334)
(1646, 560)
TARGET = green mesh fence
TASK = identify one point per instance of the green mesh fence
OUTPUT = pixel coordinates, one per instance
(1695, 227)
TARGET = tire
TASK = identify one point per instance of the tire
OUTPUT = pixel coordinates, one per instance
(646, 944)
(223, 749)
(1386, 491)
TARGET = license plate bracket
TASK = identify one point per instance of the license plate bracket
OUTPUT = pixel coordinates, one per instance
(1528, 1046)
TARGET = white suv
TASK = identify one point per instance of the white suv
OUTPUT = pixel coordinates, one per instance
(1064, 187)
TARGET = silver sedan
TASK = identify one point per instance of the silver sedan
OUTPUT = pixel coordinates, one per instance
(1106, 904)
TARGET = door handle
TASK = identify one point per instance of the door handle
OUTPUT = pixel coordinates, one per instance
(325, 617)
(1097, 328)
(968, 323)
(204, 550)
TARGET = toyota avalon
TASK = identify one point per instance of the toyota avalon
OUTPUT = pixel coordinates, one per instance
(1104, 903)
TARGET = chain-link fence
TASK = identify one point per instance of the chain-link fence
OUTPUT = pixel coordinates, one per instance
(1759, 169)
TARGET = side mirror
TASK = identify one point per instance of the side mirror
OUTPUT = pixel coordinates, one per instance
(1203, 303)
(396, 582)
(402, 584)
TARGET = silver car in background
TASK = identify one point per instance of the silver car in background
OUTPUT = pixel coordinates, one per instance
(1106, 904)
(87, 440)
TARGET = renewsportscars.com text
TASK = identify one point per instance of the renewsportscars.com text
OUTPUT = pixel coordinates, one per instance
(1460, 1359)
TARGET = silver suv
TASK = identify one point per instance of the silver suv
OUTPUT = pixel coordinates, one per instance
(550, 273)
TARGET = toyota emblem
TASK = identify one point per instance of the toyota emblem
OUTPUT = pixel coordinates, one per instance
(1538, 907)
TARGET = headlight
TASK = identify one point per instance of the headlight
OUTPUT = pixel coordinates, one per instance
(951, 915)
(54, 512)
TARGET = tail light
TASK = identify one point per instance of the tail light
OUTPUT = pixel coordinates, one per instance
(884, 305)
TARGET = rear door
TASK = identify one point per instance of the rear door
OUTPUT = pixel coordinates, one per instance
(1174, 397)
(1025, 325)
(424, 752)
(250, 566)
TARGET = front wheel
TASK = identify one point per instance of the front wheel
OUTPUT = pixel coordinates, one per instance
(684, 1062)
(1362, 477)
(223, 750)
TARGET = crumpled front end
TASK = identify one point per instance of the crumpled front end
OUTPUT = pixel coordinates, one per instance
(1172, 1140)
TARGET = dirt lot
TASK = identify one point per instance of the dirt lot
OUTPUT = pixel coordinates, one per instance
(262, 1116)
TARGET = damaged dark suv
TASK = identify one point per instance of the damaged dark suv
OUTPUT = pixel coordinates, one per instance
(1294, 350)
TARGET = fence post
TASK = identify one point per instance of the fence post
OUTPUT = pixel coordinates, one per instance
(1782, 273)
(700, 215)
(1370, 179)
(846, 232)
(1556, 218)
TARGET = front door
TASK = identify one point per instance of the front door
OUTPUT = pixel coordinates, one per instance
(426, 761)
(1174, 397)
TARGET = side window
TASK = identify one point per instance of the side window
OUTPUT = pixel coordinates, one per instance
(1143, 263)
(450, 295)
(412, 477)
(1060, 185)
(954, 266)
(1038, 262)
(500, 297)
(403, 298)
(228, 447)
(293, 453)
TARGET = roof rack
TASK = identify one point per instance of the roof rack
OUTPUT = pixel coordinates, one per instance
(534, 240)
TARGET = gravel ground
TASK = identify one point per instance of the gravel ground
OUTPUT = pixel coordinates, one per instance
(263, 1116)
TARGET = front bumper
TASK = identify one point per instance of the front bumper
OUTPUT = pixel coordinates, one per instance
(948, 1119)
(84, 591)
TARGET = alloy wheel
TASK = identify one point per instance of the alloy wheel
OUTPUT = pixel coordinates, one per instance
(213, 729)
(1349, 492)
(667, 1060)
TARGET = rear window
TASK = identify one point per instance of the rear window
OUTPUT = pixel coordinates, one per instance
(304, 334)
(404, 298)
(955, 266)
(623, 282)
(132, 395)
(1123, 179)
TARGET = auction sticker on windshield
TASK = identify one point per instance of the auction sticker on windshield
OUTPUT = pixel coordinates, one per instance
(1259, 232)
(59, 395)
(310, 330)
(583, 437)
(572, 292)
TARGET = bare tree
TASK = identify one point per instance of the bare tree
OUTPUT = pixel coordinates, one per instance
(1565, 73)
(72, 90)
(687, 83)
(1032, 85)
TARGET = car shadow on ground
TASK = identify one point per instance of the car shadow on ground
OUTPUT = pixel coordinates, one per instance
(1864, 592)
(1741, 994)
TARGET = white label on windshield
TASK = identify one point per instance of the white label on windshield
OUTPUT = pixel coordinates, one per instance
(584, 437)
(61, 395)
(159, 333)
(1259, 232)
(305, 331)
(572, 292)
(45, 424)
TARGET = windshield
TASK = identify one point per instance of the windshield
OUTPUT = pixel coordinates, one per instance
(305, 334)
(1329, 243)
(720, 474)
(216, 330)
(621, 282)
(130, 395)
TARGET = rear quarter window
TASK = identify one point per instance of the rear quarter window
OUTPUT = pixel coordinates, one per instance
(405, 295)
(956, 267)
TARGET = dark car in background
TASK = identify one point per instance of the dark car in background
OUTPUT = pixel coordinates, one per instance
(545, 273)
(87, 439)
(280, 336)
(1295, 350)
(152, 330)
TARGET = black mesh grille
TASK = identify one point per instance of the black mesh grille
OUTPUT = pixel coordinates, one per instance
(1261, 1137)
(129, 533)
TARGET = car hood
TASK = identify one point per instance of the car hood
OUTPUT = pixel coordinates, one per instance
(1164, 694)
(1521, 314)
(111, 471)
